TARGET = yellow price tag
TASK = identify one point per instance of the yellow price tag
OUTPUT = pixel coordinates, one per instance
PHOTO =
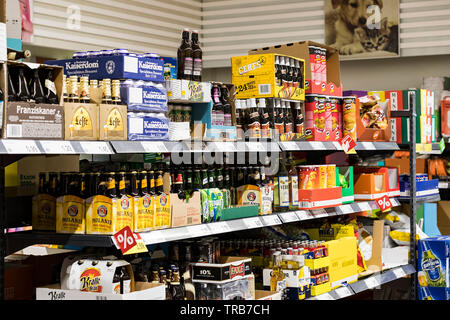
(183, 92)
(139, 247)
(427, 147)
(419, 147)
(169, 93)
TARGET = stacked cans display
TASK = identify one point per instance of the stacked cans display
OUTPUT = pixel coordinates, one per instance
(323, 118)
(318, 59)
(269, 118)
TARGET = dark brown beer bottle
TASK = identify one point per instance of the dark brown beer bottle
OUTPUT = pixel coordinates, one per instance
(111, 185)
(50, 89)
(23, 94)
(197, 57)
(12, 94)
(42, 183)
(53, 184)
(16, 55)
(151, 182)
(37, 93)
(184, 57)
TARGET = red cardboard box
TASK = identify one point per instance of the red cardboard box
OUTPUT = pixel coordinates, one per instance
(396, 130)
(395, 99)
(391, 179)
(320, 198)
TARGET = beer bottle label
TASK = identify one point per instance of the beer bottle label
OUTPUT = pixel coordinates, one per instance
(283, 187)
(70, 215)
(124, 213)
(227, 119)
(143, 183)
(280, 127)
(145, 209)
(205, 181)
(266, 199)
(114, 125)
(188, 64)
(197, 67)
(44, 212)
(81, 125)
(99, 215)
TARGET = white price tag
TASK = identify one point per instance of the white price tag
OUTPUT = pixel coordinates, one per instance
(316, 145)
(57, 147)
(399, 273)
(324, 296)
(343, 292)
(372, 282)
(337, 145)
(21, 146)
(303, 215)
(289, 217)
(32, 65)
(443, 185)
(271, 219)
(152, 237)
(289, 145)
(368, 145)
(219, 227)
(256, 146)
(95, 147)
(252, 223)
(364, 206)
(154, 146)
(198, 230)
(346, 209)
(319, 213)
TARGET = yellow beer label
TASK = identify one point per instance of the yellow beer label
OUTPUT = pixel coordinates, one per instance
(145, 213)
(82, 123)
(70, 215)
(99, 215)
(44, 212)
(144, 183)
(121, 185)
(162, 213)
(152, 183)
(114, 124)
(124, 213)
(159, 182)
(249, 195)
(111, 184)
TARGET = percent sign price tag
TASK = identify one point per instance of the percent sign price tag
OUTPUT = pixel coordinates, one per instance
(384, 203)
(348, 144)
(139, 247)
(125, 239)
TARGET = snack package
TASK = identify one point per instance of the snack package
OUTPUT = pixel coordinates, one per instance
(349, 116)
(396, 220)
(402, 236)
(373, 112)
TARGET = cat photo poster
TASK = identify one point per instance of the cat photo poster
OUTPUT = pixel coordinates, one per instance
(361, 29)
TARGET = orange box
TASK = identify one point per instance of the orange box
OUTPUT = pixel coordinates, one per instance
(309, 177)
(369, 186)
(403, 164)
(391, 178)
(331, 176)
(320, 198)
(370, 134)
(323, 173)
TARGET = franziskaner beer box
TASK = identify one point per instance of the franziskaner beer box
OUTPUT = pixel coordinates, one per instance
(114, 67)
(263, 76)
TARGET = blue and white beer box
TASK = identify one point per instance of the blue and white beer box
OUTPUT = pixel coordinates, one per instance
(433, 262)
(297, 282)
(433, 293)
(114, 67)
(424, 188)
(147, 126)
(145, 98)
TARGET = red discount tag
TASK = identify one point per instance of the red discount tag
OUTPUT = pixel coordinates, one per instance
(125, 239)
(347, 143)
(384, 203)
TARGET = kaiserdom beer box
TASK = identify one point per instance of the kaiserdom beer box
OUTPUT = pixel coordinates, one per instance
(264, 76)
(114, 67)
(147, 126)
(229, 268)
(150, 98)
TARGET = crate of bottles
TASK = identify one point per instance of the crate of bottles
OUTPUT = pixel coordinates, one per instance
(228, 268)
(113, 64)
(33, 106)
(268, 76)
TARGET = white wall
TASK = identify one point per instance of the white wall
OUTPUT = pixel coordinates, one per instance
(378, 74)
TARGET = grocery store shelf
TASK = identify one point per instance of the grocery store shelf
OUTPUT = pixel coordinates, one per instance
(19, 240)
(11, 146)
(431, 198)
(368, 283)
(309, 145)
(367, 146)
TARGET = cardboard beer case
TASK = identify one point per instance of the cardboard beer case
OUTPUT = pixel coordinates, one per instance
(81, 121)
(229, 269)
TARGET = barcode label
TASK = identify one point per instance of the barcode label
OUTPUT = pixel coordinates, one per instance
(14, 131)
(264, 89)
(101, 298)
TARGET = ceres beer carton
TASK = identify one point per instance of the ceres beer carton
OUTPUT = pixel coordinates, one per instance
(86, 273)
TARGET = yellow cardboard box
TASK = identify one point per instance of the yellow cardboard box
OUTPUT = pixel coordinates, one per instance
(254, 77)
(343, 261)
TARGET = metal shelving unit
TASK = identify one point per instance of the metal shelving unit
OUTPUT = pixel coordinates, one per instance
(12, 150)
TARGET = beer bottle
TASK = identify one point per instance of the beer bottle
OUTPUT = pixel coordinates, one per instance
(250, 176)
(84, 90)
(197, 57)
(42, 183)
(264, 118)
(205, 179)
(179, 188)
(293, 184)
(232, 185)
(73, 92)
(299, 121)
(224, 94)
(73, 184)
(290, 69)
(111, 185)
(177, 290)
(219, 178)
(296, 78)
(254, 124)
(197, 181)
(281, 187)
(12, 95)
(278, 121)
(16, 55)
(240, 177)
(134, 184)
(151, 182)
(284, 71)
(64, 89)
(211, 178)
(277, 71)
(237, 105)
(23, 93)
(106, 95)
(142, 183)
(189, 180)
(84, 185)
(155, 275)
(50, 89)
(36, 91)
(159, 182)
(218, 106)
(289, 121)
(184, 57)
(116, 99)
